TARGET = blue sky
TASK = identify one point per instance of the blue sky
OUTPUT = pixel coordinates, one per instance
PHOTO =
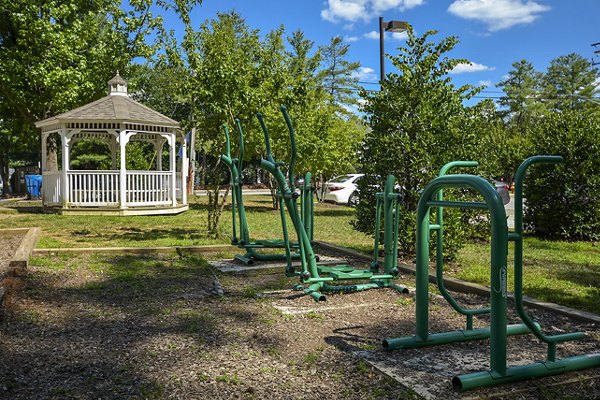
(493, 34)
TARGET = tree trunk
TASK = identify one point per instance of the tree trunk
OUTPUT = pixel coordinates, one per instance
(4, 174)
(215, 205)
(52, 153)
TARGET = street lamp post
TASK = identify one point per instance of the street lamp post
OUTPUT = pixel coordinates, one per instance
(390, 26)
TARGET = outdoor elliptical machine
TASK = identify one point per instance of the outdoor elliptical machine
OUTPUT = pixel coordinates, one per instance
(238, 211)
(497, 332)
(318, 277)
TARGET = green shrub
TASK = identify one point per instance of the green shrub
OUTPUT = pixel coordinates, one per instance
(563, 201)
(418, 123)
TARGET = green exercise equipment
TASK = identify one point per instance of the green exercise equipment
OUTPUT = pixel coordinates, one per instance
(238, 212)
(499, 330)
(317, 279)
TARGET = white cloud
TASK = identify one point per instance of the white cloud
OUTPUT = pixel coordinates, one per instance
(349, 10)
(399, 35)
(374, 35)
(366, 74)
(351, 39)
(485, 83)
(379, 6)
(470, 67)
(498, 14)
(365, 10)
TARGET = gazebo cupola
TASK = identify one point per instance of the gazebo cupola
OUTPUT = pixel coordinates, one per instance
(117, 120)
(117, 86)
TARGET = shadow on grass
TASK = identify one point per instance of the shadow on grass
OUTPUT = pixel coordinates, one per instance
(335, 212)
(131, 234)
(578, 300)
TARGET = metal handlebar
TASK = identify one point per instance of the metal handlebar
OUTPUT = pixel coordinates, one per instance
(241, 145)
(227, 142)
(263, 126)
(288, 122)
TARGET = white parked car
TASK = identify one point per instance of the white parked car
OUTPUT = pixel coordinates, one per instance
(342, 189)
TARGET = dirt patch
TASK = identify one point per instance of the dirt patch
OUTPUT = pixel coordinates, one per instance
(93, 326)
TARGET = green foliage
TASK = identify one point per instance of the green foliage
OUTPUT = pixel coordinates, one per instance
(339, 75)
(563, 201)
(418, 124)
(523, 95)
(90, 154)
(570, 83)
(56, 55)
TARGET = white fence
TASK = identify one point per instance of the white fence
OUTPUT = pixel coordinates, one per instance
(102, 188)
(93, 188)
(148, 188)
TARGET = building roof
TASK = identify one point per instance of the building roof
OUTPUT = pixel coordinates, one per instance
(117, 107)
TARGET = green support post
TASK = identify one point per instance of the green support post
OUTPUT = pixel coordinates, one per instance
(439, 257)
(498, 329)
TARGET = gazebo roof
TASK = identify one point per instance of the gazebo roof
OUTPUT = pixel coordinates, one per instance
(116, 107)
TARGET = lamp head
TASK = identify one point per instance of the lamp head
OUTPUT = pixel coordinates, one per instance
(395, 26)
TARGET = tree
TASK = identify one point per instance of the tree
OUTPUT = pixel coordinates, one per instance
(570, 83)
(234, 75)
(418, 123)
(57, 55)
(523, 95)
(339, 75)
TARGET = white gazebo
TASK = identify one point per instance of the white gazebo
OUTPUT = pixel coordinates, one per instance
(116, 120)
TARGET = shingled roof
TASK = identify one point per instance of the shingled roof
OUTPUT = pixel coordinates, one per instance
(116, 107)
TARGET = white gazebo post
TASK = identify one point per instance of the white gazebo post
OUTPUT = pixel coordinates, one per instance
(44, 150)
(124, 137)
(173, 166)
(184, 171)
(65, 139)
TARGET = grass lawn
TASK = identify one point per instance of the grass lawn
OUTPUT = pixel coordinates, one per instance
(560, 272)
(567, 273)
(186, 229)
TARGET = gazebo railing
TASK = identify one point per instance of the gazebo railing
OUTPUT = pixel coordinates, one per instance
(93, 188)
(51, 188)
(149, 188)
(102, 188)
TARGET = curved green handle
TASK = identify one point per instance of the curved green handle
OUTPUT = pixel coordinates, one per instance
(227, 142)
(241, 144)
(288, 122)
(455, 164)
(519, 178)
(261, 120)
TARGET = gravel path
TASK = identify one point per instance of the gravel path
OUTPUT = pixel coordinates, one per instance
(115, 327)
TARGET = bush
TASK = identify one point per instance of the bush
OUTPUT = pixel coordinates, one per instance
(563, 201)
(419, 123)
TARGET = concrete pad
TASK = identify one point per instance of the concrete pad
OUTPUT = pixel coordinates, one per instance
(305, 310)
(235, 266)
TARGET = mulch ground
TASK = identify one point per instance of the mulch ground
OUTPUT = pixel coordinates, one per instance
(111, 327)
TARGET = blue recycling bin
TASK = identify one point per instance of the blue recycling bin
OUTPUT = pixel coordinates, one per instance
(34, 185)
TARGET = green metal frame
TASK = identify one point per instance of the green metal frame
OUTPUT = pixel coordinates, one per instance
(238, 212)
(498, 330)
(319, 277)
